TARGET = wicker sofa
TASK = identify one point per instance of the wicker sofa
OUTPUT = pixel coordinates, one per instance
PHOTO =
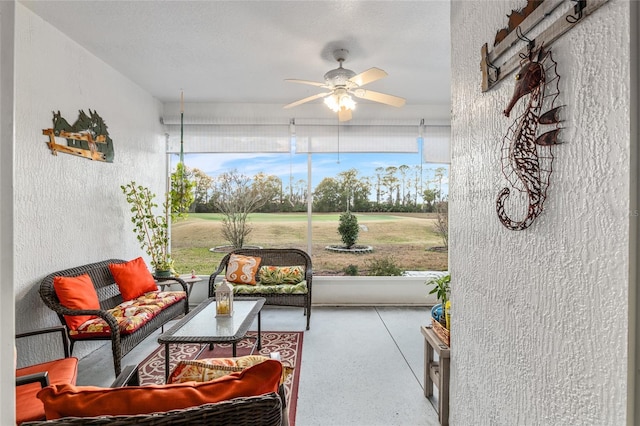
(274, 294)
(109, 297)
(262, 410)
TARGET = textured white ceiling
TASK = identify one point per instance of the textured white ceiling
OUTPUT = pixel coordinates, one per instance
(241, 51)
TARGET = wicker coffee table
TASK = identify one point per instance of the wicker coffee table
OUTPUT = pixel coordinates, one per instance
(202, 326)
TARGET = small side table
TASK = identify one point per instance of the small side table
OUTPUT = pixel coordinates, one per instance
(436, 372)
(186, 278)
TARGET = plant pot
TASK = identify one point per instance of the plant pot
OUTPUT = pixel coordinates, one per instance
(440, 330)
(162, 273)
(436, 313)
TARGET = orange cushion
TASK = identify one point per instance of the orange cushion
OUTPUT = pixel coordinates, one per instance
(76, 293)
(89, 401)
(242, 269)
(28, 406)
(133, 278)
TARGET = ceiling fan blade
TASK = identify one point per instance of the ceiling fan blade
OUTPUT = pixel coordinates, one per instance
(344, 115)
(368, 76)
(370, 95)
(312, 83)
(307, 99)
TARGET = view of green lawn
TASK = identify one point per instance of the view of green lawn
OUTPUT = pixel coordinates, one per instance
(408, 239)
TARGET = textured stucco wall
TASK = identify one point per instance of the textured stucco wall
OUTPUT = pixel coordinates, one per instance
(69, 210)
(540, 329)
(7, 307)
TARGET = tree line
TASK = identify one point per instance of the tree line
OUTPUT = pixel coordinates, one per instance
(391, 189)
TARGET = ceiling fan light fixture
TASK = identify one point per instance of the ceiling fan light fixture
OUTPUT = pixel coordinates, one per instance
(340, 101)
(347, 102)
(332, 103)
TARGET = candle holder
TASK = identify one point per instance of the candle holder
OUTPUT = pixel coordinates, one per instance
(224, 299)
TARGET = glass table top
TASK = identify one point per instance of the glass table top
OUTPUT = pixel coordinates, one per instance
(202, 325)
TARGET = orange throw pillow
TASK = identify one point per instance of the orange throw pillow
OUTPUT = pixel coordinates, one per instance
(133, 278)
(242, 269)
(89, 401)
(76, 293)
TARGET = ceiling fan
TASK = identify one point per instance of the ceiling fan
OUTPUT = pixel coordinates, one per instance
(342, 83)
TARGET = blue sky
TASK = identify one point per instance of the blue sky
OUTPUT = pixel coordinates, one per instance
(323, 165)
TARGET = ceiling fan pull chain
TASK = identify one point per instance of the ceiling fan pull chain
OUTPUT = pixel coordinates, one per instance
(338, 140)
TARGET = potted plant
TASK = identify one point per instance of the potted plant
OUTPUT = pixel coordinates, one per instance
(441, 289)
(152, 230)
(439, 314)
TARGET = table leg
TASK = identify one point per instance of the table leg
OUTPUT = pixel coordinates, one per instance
(234, 345)
(166, 362)
(259, 332)
(443, 390)
(428, 360)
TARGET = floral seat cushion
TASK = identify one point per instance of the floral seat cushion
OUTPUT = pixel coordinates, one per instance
(131, 315)
(281, 274)
(299, 288)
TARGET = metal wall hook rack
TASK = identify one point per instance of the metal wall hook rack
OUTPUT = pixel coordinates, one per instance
(492, 74)
(577, 9)
(531, 44)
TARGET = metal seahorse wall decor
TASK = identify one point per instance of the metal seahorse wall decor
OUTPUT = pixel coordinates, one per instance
(527, 155)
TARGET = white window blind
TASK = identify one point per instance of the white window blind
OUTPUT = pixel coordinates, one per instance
(437, 144)
(210, 138)
(355, 138)
(314, 138)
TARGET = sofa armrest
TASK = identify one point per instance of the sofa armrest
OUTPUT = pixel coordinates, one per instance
(42, 378)
(212, 278)
(56, 329)
(182, 283)
(128, 377)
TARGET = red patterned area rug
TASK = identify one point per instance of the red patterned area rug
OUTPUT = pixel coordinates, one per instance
(288, 343)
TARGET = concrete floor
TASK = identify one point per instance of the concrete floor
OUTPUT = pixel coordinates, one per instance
(360, 365)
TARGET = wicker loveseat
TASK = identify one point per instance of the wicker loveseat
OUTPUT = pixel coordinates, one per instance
(298, 294)
(261, 410)
(109, 297)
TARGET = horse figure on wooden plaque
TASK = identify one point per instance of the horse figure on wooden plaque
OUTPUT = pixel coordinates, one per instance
(93, 135)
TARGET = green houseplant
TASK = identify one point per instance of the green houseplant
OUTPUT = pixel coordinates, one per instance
(152, 230)
(441, 289)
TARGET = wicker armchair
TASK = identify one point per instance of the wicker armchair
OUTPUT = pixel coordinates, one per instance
(274, 257)
(109, 297)
(58, 371)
